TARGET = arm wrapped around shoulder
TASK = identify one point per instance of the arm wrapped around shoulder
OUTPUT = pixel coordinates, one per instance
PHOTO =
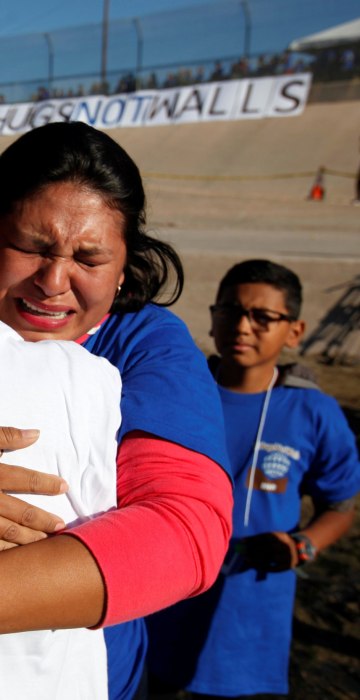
(169, 536)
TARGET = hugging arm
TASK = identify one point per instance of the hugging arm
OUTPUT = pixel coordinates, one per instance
(166, 541)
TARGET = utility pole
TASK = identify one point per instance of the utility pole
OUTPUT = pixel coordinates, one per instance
(247, 27)
(139, 50)
(104, 45)
(50, 48)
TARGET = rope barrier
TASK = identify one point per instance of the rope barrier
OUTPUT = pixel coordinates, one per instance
(338, 173)
(243, 178)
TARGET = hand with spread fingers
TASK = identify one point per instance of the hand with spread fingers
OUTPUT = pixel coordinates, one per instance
(21, 523)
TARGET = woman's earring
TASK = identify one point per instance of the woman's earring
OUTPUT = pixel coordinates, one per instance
(118, 290)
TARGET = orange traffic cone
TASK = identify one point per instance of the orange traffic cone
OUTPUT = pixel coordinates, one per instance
(317, 191)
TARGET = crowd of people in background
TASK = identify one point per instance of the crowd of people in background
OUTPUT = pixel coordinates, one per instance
(330, 64)
(275, 64)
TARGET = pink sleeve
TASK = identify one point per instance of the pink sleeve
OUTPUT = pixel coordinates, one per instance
(168, 537)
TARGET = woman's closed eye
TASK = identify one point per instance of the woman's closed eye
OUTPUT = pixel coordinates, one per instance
(25, 250)
(89, 260)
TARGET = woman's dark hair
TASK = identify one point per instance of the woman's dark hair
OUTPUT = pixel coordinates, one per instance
(76, 152)
(266, 272)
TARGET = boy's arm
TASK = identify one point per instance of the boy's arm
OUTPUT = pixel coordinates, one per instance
(329, 524)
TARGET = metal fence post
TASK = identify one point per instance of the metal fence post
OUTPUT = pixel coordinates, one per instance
(104, 44)
(139, 49)
(50, 46)
(247, 29)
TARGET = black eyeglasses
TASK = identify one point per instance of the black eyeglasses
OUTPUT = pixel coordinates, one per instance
(259, 319)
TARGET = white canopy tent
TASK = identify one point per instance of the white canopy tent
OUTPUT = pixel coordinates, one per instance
(341, 35)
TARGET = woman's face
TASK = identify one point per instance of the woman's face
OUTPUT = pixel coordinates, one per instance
(62, 256)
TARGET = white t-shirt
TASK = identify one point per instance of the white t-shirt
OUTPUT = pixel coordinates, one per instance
(73, 398)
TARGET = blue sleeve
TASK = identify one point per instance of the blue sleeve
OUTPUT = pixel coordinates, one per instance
(167, 387)
(335, 472)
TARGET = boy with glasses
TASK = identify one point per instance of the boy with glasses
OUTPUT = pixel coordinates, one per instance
(285, 439)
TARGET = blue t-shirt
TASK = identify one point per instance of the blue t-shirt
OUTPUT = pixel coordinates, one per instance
(235, 639)
(167, 391)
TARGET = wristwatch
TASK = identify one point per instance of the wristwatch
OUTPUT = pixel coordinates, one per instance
(305, 548)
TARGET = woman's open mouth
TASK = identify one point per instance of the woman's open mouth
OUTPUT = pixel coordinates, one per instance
(43, 315)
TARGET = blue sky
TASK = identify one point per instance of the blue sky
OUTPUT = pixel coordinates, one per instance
(24, 16)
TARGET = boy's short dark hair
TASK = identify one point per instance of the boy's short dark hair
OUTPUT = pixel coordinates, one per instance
(266, 272)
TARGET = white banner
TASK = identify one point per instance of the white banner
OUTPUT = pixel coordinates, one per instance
(279, 96)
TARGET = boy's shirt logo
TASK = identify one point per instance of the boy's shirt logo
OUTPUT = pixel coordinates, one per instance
(271, 473)
(275, 465)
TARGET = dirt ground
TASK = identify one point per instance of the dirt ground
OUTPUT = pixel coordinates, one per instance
(326, 643)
